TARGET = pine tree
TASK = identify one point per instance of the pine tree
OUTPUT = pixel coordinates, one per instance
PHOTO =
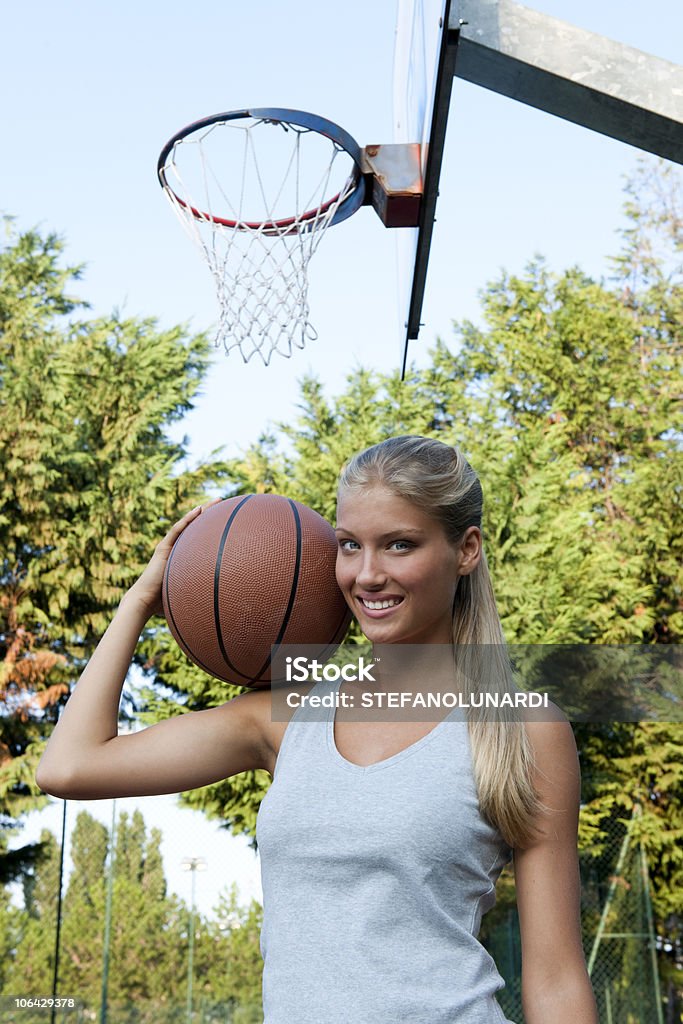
(30, 967)
(228, 964)
(83, 911)
(89, 480)
(148, 945)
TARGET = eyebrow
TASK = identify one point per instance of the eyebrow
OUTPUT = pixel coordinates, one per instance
(399, 532)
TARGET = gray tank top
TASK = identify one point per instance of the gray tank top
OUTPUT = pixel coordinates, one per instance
(375, 880)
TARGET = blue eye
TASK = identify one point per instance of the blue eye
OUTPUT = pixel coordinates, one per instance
(401, 545)
(344, 545)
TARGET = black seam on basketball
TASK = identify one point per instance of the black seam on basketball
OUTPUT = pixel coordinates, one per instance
(341, 629)
(216, 601)
(292, 590)
(180, 640)
(337, 636)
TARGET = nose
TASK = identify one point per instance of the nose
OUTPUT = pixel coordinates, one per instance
(371, 573)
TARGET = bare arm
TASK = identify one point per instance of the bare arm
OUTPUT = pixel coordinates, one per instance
(86, 759)
(555, 983)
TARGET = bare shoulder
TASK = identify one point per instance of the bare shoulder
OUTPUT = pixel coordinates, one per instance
(557, 781)
(556, 763)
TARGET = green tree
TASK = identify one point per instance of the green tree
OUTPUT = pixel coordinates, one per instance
(228, 964)
(10, 932)
(149, 944)
(81, 949)
(30, 962)
(89, 480)
(148, 941)
(149, 935)
(29, 684)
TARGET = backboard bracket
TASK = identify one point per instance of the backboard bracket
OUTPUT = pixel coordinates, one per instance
(393, 182)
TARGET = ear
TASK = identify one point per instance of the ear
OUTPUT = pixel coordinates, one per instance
(469, 551)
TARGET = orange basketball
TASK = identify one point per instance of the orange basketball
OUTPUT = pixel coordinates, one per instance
(252, 573)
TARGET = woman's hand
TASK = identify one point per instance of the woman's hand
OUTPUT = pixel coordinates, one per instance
(146, 591)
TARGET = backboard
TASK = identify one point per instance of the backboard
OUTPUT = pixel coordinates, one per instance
(528, 56)
(422, 86)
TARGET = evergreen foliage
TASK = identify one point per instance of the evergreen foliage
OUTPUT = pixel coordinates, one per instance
(89, 479)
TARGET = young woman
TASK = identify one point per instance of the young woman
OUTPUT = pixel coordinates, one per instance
(381, 840)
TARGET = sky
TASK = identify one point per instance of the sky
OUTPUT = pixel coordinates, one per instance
(90, 93)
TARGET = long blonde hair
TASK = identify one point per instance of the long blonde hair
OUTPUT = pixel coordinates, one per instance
(438, 479)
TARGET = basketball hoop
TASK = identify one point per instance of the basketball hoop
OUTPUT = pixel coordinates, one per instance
(256, 191)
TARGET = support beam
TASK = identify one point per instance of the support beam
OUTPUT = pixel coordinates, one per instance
(549, 64)
(580, 76)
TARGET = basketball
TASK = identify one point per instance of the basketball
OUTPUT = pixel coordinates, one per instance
(251, 573)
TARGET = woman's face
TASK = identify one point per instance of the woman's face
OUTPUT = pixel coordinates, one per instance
(396, 568)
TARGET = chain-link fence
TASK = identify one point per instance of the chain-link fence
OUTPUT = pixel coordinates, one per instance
(618, 927)
(618, 936)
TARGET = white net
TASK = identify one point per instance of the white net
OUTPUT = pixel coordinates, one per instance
(252, 196)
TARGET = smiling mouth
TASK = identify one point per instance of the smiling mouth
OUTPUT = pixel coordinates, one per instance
(377, 606)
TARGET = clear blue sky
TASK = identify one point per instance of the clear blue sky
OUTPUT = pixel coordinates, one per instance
(91, 91)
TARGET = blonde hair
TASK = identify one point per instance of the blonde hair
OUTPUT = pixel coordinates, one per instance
(438, 479)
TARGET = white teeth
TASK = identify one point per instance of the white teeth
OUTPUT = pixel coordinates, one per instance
(376, 606)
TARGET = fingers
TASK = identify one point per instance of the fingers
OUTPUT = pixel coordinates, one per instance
(147, 588)
(177, 528)
(214, 501)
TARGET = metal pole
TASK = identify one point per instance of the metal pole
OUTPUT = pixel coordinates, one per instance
(608, 1004)
(190, 953)
(107, 920)
(58, 930)
(191, 864)
(645, 875)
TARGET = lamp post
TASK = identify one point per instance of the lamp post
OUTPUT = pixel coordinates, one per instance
(58, 931)
(104, 996)
(191, 864)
